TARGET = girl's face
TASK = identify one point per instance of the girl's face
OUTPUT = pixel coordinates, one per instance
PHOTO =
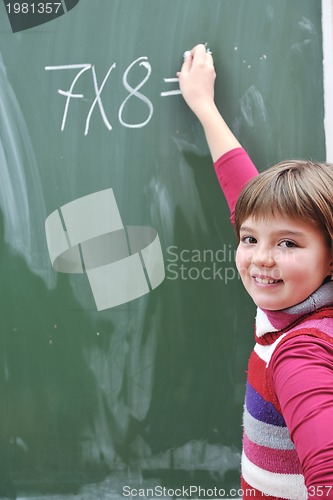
(281, 261)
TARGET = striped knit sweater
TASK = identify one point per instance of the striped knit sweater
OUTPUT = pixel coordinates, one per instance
(270, 463)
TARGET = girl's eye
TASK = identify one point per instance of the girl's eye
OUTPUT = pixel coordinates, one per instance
(288, 244)
(249, 240)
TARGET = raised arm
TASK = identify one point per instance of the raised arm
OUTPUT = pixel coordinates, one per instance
(196, 81)
(233, 166)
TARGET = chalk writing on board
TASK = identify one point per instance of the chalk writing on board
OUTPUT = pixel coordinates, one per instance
(171, 92)
(133, 92)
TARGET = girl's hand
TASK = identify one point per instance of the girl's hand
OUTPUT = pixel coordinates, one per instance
(196, 80)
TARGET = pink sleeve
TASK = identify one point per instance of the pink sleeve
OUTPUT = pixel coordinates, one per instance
(302, 378)
(234, 170)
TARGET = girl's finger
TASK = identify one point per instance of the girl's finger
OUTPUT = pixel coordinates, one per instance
(200, 54)
(186, 66)
(198, 50)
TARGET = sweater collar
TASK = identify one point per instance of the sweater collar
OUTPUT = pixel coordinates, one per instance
(274, 321)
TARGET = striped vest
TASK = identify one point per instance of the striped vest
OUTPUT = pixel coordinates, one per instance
(269, 461)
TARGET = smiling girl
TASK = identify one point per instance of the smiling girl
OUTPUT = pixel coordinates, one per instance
(284, 224)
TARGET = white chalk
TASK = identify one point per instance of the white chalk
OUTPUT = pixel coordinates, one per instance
(207, 48)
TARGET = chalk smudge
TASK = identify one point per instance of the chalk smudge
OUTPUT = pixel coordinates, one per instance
(21, 195)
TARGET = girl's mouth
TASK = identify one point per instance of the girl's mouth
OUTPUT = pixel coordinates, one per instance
(265, 281)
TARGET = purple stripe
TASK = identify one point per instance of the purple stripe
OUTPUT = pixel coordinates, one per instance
(260, 409)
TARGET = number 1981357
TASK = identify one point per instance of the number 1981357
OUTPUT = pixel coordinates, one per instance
(33, 7)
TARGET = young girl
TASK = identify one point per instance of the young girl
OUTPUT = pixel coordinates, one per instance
(284, 223)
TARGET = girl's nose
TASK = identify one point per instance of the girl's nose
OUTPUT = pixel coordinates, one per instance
(263, 257)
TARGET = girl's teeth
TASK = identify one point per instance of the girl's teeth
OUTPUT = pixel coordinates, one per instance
(265, 281)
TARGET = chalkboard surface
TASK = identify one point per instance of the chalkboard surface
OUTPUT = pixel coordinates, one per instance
(146, 392)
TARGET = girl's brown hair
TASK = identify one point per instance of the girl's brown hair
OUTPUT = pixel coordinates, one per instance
(296, 189)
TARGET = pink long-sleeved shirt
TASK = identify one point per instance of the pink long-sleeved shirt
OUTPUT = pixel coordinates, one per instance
(301, 369)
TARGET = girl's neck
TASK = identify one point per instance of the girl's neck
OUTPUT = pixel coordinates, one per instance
(273, 321)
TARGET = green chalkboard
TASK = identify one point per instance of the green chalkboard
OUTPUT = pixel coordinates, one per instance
(146, 390)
